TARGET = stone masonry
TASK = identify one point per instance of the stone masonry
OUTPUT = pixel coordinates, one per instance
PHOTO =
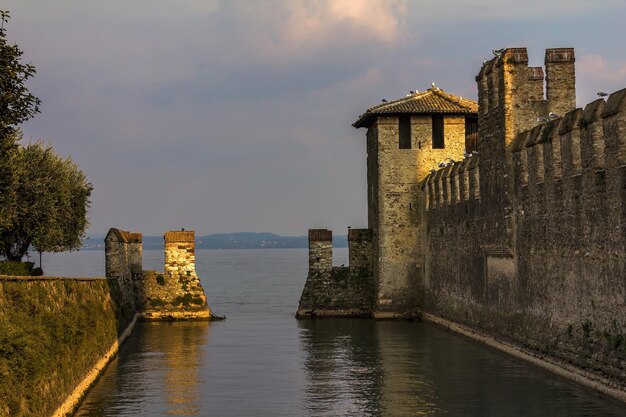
(532, 250)
(523, 240)
(176, 293)
(338, 291)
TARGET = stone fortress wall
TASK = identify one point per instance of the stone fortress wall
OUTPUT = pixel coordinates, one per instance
(523, 242)
(528, 242)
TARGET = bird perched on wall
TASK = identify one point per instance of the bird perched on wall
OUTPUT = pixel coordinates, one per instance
(411, 92)
(498, 52)
(442, 164)
(553, 115)
(384, 100)
(474, 152)
(602, 94)
(542, 119)
(467, 155)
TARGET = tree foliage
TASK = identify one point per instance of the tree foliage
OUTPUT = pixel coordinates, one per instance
(17, 105)
(43, 197)
(49, 205)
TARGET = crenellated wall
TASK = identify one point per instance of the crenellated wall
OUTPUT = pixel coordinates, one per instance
(341, 291)
(531, 247)
(523, 240)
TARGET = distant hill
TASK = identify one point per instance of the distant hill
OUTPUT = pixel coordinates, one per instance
(241, 240)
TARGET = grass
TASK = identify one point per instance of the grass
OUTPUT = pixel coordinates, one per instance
(51, 334)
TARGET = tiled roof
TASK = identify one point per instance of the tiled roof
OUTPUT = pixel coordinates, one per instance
(433, 100)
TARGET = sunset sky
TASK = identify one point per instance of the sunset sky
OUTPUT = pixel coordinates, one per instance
(225, 116)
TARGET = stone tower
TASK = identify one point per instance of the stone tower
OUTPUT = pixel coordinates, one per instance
(407, 138)
(511, 100)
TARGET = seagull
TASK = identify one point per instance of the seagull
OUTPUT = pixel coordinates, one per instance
(542, 119)
(442, 164)
(553, 115)
(474, 152)
(433, 85)
(467, 155)
(485, 61)
(498, 52)
(384, 100)
(602, 94)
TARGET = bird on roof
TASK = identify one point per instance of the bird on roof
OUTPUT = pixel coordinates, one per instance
(467, 155)
(384, 100)
(553, 115)
(442, 164)
(602, 94)
(433, 84)
(498, 52)
(411, 92)
(542, 119)
(474, 152)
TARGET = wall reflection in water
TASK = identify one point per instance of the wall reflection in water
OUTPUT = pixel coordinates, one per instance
(157, 371)
(364, 368)
(367, 368)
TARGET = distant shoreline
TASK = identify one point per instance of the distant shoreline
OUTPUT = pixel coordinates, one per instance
(242, 240)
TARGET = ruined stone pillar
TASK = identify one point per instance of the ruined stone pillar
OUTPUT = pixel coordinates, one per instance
(176, 294)
(320, 251)
(180, 258)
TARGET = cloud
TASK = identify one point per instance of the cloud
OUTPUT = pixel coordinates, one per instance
(446, 10)
(595, 73)
(596, 67)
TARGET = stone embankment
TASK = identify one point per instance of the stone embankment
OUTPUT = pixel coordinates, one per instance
(57, 334)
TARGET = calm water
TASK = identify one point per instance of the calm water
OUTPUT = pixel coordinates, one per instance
(263, 362)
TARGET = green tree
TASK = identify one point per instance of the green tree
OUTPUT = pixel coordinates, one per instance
(50, 202)
(17, 105)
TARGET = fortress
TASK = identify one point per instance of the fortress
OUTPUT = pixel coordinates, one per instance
(505, 217)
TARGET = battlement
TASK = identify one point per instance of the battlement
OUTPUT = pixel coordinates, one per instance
(588, 141)
(510, 92)
(456, 183)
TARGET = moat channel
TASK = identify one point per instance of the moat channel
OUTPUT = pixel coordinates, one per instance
(263, 362)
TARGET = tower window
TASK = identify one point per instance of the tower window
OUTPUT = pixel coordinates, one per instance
(404, 127)
(438, 142)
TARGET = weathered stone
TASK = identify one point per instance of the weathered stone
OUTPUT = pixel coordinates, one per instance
(175, 294)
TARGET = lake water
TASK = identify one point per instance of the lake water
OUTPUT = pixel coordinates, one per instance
(261, 361)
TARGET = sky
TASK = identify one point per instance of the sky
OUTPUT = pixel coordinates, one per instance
(226, 116)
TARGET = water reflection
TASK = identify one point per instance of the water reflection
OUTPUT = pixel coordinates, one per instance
(342, 367)
(365, 368)
(157, 369)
